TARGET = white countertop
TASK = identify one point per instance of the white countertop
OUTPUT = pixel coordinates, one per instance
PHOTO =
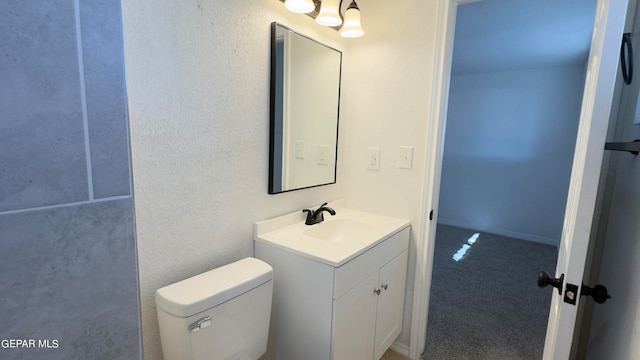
(351, 233)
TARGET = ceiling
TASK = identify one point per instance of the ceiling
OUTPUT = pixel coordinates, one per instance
(506, 35)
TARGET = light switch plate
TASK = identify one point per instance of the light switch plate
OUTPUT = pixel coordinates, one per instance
(323, 154)
(405, 157)
(373, 159)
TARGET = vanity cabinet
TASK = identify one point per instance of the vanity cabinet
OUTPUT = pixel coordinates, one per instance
(368, 318)
(352, 311)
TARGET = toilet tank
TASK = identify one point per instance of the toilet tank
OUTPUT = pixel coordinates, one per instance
(221, 314)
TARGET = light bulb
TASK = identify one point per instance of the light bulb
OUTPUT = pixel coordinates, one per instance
(352, 27)
(300, 6)
(329, 13)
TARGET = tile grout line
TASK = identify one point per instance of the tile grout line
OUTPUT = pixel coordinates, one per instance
(83, 97)
(126, 106)
(77, 203)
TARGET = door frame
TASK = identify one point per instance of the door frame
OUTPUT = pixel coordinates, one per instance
(445, 32)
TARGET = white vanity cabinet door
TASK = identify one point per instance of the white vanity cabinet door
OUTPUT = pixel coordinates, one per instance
(390, 303)
(354, 322)
(368, 318)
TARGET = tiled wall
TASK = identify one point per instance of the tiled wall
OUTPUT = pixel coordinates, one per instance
(68, 273)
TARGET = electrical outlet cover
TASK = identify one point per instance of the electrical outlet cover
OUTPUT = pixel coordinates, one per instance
(373, 159)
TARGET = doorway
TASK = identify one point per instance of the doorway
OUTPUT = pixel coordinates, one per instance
(511, 130)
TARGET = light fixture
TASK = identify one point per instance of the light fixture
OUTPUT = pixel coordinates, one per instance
(300, 6)
(352, 27)
(329, 13)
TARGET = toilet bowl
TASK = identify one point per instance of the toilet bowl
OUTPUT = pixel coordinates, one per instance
(221, 314)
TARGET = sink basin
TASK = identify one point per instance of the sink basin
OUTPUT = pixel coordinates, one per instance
(334, 241)
(337, 230)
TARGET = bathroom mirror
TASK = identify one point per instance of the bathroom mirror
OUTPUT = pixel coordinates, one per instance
(305, 93)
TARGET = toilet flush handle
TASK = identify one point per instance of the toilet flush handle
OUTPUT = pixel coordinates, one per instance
(200, 324)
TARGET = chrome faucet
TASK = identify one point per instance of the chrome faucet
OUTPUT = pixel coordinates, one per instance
(315, 216)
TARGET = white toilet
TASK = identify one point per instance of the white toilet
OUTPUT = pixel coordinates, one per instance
(222, 314)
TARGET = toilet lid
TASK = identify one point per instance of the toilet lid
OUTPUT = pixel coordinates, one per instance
(209, 289)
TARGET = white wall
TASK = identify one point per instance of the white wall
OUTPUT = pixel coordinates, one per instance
(508, 151)
(389, 81)
(198, 86)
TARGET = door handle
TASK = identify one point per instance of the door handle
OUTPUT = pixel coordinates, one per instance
(626, 53)
(598, 292)
(544, 280)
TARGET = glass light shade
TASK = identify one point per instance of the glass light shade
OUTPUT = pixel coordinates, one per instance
(352, 27)
(300, 6)
(329, 13)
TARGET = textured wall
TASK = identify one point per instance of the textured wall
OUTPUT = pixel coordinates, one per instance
(198, 86)
(67, 244)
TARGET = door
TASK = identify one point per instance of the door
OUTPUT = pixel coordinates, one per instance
(585, 174)
(390, 303)
(354, 322)
(594, 118)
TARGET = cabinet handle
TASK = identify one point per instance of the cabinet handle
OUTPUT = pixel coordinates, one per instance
(384, 286)
(377, 291)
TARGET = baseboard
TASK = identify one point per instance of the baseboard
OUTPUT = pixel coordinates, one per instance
(401, 349)
(502, 232)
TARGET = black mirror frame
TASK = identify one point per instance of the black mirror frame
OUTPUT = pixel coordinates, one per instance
(272, 112)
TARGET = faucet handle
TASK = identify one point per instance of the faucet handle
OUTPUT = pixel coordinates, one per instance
(310, 219)
(321, 206)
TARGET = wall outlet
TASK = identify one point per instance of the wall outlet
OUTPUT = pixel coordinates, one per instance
(373, 159)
